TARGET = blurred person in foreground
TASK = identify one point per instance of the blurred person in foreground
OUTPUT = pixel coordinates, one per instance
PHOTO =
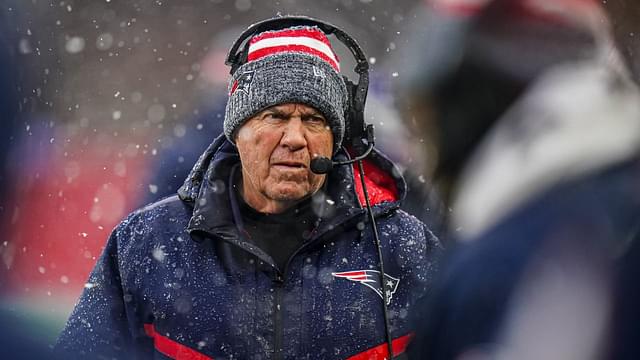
(536, 125)
(257, 257)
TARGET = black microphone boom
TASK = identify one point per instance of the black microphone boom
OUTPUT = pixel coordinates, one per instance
(322, 165)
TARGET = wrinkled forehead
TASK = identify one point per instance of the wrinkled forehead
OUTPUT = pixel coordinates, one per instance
(292, 108)
(285, 110)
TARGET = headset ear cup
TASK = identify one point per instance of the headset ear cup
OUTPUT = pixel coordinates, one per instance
(354, 118)
(348, 113)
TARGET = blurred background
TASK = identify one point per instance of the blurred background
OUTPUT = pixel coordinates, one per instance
(106, 106)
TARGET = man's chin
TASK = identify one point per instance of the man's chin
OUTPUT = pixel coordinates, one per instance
(290, 194)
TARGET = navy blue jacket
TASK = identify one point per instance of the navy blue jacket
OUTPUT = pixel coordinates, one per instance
(177, 279)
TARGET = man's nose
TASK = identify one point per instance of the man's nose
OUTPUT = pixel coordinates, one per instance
(294, 134)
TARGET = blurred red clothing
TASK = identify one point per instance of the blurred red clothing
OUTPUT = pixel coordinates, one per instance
(67, 197)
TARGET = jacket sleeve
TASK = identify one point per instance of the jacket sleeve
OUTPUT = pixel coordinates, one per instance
(99, 326)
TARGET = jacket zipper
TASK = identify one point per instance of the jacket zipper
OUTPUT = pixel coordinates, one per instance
(278, 284)
(278, 311)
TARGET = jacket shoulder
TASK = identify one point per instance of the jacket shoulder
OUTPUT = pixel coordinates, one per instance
(169, 202)
(411, 222)
(408, 231)
(167, 209)
(151, 223)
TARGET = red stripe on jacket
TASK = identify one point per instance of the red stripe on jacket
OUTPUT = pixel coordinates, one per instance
(380, 352)
(171, 348)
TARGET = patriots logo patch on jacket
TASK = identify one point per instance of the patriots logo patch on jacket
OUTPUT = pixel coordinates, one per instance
(372, 280)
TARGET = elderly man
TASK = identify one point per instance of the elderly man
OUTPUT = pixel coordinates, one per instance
(257, 257)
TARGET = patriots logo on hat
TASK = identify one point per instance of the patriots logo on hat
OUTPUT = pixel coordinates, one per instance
(317, 72)
(371, 279)
(243, 83)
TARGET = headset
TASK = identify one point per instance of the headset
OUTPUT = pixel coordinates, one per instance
(359, 136)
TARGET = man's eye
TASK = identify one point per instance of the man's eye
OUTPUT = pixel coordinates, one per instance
(316, 120)
(272, 116)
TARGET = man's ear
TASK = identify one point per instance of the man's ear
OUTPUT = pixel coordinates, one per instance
(235, 133)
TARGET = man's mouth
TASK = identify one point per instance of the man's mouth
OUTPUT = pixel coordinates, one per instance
(290, 165)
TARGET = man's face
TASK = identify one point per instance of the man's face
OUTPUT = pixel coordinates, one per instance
(276, 147)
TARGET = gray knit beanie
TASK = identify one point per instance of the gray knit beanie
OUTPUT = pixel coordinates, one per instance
(293, 65)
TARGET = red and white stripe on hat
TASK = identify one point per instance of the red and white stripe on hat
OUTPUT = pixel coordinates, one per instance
(305, 39)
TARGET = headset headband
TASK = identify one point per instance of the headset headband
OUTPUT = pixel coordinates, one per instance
(357, 93)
